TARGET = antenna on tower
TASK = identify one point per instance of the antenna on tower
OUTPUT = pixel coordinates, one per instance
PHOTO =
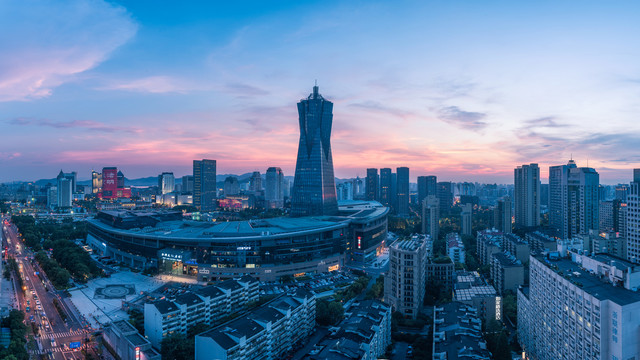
(316, 82)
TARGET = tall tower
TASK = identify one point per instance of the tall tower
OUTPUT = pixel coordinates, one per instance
(527, 195)
(402, 193)
(204, 185)
(573, 199)
(631, 216)
(314, 188)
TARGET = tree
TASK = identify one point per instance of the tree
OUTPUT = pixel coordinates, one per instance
(178, 347)
(329, 313)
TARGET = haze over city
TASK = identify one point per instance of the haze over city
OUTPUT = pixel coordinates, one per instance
(463, 90)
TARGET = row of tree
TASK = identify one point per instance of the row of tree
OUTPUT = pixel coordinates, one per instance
(58, 276)
(16, 349)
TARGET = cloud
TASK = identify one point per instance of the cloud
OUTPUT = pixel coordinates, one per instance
(244, 90)
(466, 119)
(544, 122)
(83, 124)
(151, 84)
(375, 106)
(52, 42)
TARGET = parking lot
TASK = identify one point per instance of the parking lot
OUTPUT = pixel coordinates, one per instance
(324, 283)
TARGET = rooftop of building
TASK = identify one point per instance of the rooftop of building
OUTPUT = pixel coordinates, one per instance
(515, 239)
(189, 299)
(458, 333)
(224, 335)
(165, 306)
(596, 286)
(540, 236)
(137, 339)
(410, 243)
(507, 260)
(337, 349)
(123, 326)
(469, 285)
(169, 224)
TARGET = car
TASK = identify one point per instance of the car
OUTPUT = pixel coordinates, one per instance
(53, 342)
(37, 302)
(28, 309)
(28, 302)
(33, 292)
(39, 307)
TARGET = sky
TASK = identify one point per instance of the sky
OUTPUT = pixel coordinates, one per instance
(465, 90)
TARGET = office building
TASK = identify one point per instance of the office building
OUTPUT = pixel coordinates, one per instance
(527, 195)
(466, 219)
(580, 307)
(431, 216)
(231, 186)
(187, 184)
(455, 248)
(502, 215)
(427, 185)
(359, 190)
(314, 189)
(457, 333)
(445, 195)
(207, 305)
(52, 197)
(632, 218)
(204, 185)
(96, 182)
(274, 188)
(402, 194)
(507, 272)
(372, 185)
(66, 184)
(127, 342)
(386, 185)
(166, 183)
(610, 215)
(344, 191)
(255, 182)
(269, 332)
(404, 283)
(573, 199)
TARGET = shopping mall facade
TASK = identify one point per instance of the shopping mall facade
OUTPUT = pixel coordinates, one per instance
(265, 248)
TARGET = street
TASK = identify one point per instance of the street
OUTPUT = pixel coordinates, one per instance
(36, 299)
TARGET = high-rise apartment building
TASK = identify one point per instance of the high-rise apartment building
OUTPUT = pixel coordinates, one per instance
(373, 189)
(427, 185)
(403, 190)
(274, 189)
(445, 195)
(502, 215)
(466, 218)
(204, 185)
(404, 283)
(66, 183)
(573, 199)
(527, 195)
(187, 184)
(431, 216)
(385, 187)
(579, 308)
(231, 186)
(255, 182)
(314, 189)
(631, 215)
(166, 183)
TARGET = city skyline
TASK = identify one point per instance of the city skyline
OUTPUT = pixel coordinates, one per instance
(471, 91)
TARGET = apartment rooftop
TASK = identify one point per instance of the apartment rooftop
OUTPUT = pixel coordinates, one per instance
(515, 239)
(507, 260)
(597, 286)
(458, 333)
(412, 243)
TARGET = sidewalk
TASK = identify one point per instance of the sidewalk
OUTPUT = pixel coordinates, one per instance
(7, 294)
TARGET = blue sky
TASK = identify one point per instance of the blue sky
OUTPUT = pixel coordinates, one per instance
(462, 89)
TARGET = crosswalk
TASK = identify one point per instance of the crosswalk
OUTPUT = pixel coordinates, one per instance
(55, 349)
(65, 334)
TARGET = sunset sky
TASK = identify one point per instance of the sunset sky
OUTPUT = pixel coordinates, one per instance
(465, 90)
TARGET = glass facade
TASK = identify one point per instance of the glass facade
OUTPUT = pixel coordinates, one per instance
(314, 190)
(204, 184)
